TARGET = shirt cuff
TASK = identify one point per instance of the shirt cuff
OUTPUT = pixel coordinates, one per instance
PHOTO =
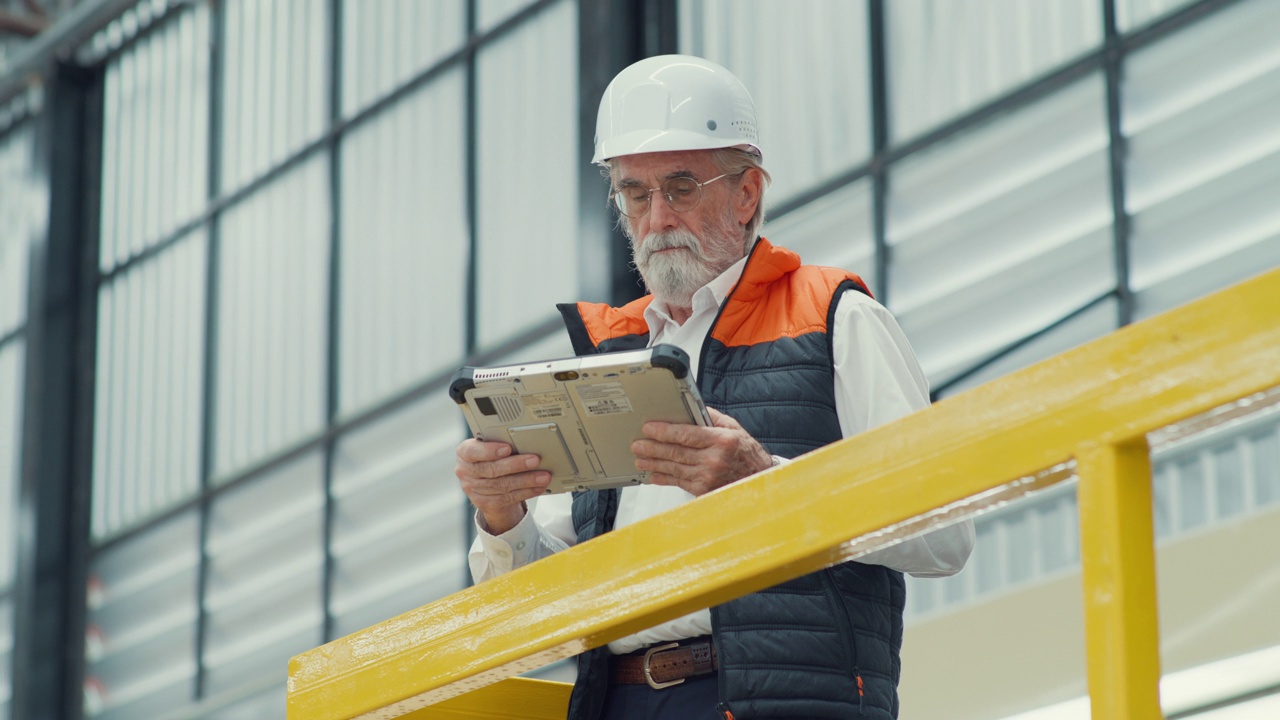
(512, 548)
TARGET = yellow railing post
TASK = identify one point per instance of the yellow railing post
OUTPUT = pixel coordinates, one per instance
(1117, 548)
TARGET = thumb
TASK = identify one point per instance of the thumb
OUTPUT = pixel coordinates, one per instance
(720, 420)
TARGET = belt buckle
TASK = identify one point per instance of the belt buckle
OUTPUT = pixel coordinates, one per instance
(648, 677)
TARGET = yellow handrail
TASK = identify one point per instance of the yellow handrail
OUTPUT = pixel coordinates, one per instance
(1093, 405)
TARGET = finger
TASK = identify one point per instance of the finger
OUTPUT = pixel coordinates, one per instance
(508, 489)
(695, 436)
(473, 450)
(653, 450)
(674, 469)
(720, 420)
(497, 468)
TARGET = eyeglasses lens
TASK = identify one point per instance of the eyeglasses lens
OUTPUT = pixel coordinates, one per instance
(681, 193)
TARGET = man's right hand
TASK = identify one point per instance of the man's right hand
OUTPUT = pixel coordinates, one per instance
(498, 483)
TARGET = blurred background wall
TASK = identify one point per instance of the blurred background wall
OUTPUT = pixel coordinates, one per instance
(244, 243)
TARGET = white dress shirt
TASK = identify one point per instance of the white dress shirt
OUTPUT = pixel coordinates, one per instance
(877, 380)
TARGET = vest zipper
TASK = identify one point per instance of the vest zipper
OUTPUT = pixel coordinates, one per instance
(842, 617)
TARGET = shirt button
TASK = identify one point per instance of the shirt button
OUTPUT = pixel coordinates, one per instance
(520, 545)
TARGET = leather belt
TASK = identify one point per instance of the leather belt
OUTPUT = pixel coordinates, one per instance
(665, 665)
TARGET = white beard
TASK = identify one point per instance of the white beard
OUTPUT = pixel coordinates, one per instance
(674, 277)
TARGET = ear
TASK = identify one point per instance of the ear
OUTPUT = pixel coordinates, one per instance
(748, 195)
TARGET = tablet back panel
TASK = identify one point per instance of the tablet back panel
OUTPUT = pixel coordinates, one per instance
(580, 415)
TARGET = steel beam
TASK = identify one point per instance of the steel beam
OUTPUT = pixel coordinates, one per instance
(56, 467)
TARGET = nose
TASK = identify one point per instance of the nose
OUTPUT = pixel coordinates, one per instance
(661, 216)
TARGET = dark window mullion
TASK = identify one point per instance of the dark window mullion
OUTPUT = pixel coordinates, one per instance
(877, 27)
(1113, 59)
(217, 62)
(335, 326)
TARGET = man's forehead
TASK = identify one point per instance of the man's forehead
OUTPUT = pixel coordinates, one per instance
(646, 166)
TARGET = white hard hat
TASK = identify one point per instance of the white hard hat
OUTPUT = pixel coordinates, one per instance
(674, 102)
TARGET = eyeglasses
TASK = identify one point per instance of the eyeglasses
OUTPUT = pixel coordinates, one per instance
(682, 193)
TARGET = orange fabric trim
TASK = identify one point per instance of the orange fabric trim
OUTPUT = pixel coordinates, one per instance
(778, 297)
(604, 322)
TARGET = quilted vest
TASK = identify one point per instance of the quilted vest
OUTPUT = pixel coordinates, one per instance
(825, 645)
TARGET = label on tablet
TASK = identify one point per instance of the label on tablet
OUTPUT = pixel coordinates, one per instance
(604, 398)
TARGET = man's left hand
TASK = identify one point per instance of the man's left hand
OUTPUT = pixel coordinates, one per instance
(699, 459)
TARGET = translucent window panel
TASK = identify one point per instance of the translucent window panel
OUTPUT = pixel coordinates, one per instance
(273, 318)
(11, 386)
(1135, 13)
(149, 385)
(1199, 484)
(140, 644)
(528, 174)
(155, 135)
(386, 43)
(268, 704)
(1090, 324)
(266, 563)
(1266, 466)
(492, 12)
(18, 208)
(834, 230)
(398, 535)
(947, 58)
(1029, 541)
(1002, 231)
(6, 656)
(807, 67)
(1217, 477)
(11, 362)
(1200, 113)
(275, 84)
(405, 245)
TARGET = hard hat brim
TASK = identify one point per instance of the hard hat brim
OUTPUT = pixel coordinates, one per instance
(652, 141)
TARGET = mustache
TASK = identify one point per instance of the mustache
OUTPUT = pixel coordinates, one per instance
(656, 242)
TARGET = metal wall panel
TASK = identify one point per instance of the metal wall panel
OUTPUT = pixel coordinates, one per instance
(142, 623)
(275, 97)
(405, 245)
(15, 228)
(150, 375)
(155, 136)
(492, 12)
(1200, 111)
(1000, 232)
(1090, 323)
(11, 373)
(807, 66)
(528, 159)
(272, 322)
(16, 224)
(264, 579)
(398, 535)
(386, 43)
(834, 230)
(946, 58)
(1131, 14)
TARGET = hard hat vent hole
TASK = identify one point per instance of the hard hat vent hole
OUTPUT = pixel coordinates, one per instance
(711, 124)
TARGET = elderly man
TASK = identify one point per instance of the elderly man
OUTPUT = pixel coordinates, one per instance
(790, 357)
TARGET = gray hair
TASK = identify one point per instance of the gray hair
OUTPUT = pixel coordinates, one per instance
(735, 162)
